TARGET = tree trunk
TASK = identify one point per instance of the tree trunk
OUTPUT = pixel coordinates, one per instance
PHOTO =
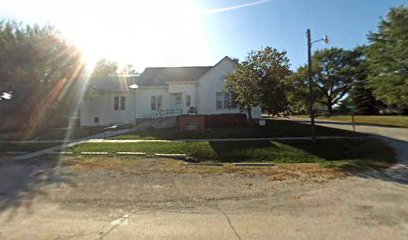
(249, 116)
(330, 109)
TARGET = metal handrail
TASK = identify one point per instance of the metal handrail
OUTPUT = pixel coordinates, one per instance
(163, 114)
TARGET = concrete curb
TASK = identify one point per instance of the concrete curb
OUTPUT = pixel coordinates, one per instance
(233, 164)
(60, 153)
(170, 154)
(93, 153)
(131, 153)
(255, 164)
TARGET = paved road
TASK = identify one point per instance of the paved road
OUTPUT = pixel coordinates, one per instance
(159, 199)
(389, 132)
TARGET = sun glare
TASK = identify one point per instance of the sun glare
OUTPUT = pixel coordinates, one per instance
(142, 33)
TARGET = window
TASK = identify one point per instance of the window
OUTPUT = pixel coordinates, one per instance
(156, 102)
(188, 100)
(225, 101)
(219, 100)
(119, 102)
(122, 102)
(116, 103)
(159, 102)
(177, 98)
(153, 102)
(96, 119)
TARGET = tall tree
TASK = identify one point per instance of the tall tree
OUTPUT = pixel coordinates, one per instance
(387, 58)
(260, 80)
(38, 67)
(362, 97)
(333, 74)
(104, 68)
(298, 91)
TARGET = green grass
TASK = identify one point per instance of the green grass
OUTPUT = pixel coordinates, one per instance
(388, 121)
(274, 128)
(333, 153)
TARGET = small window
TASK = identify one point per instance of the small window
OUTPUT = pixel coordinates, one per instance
(122, 102)
(178, 100)
(188, 100)
(153, 102)
(219, 100)
(96, 119)
(116, 103)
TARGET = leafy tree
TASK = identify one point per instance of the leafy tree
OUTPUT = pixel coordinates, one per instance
(361, 95)
(104, 68)
(38, 67)
(333, 73)
(244, 83)
(128, 69)
(298, 91)
(387, 58)
(260, 80)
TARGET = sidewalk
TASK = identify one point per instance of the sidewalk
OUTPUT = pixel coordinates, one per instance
(216, 139)
(69, 144)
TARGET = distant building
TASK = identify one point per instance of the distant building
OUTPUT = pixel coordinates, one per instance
(162, 91)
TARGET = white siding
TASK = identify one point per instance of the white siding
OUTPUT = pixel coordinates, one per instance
(102, 106)
(203, 97)
(213, 82)
(185, 89)
(143, 96)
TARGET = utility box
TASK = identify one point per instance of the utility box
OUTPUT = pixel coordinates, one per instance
(191, 123)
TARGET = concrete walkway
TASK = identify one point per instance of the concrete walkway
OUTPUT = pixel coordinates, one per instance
(70, 144)
(215, 139)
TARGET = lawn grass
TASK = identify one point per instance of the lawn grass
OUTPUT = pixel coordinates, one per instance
(332, 153)
(388, 121)
(274, 128)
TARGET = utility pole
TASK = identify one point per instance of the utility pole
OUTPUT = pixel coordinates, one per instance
(311, 96)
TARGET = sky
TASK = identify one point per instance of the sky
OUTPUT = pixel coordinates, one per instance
(151, 33)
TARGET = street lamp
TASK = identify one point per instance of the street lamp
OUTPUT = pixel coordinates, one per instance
(325, 40)
(134, 87)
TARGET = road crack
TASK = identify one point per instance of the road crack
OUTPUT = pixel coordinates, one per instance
(229, 222)
(115, 223)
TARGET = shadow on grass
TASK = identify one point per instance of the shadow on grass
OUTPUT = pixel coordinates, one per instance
(273, 128)
(369, 158)
(22, 181)
(382, 158)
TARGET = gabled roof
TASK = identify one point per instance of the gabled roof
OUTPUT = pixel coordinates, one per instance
(159, 76)
(115, 82)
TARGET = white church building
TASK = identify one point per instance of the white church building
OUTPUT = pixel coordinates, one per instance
(161, 92)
